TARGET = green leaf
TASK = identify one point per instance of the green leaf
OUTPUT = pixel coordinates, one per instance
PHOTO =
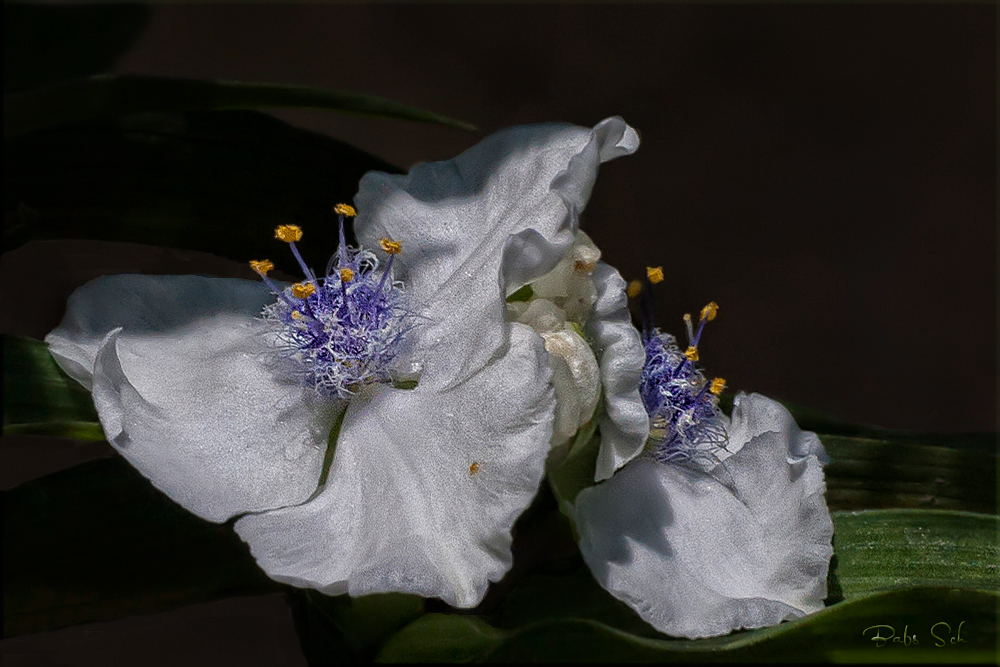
(353, 629)
(862, 474)
(836, 633)
(61, 429)
(566, 616)
(569, 475)
(442, 638)
(107, 96)
(881, 550)
(523, 294)
(809, 419)
(867, 473)
(217, 181)
(875, 551)
(99, 542)
(39, 398)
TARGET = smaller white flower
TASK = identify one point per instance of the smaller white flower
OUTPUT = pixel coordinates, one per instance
(721, 524)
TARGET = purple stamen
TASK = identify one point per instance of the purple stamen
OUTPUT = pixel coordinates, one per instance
(385, 273)
(305, 269)
(353, 332)
(701, 327)
(689, 418)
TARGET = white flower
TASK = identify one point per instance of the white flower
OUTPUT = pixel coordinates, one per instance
(721, 524)
(203, 397)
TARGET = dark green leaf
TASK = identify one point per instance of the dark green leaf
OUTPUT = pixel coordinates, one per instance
(38, 398)
(567, 616)
(836, 633)
(59, 429)
(442, 638)
(108, 96)
(881, 550)
(865, 473)
(809, 419)
(352, 629)
(876, 551)
(523, 294)
(216, 181)
(569, 475)
(98, 542)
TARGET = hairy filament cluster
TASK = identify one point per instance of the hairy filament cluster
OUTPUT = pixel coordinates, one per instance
(686, 425)
(345, 329)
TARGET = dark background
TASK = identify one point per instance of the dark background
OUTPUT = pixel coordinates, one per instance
(827, 174)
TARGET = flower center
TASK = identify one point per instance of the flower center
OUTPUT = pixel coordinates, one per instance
(345, 329)
(686, 424)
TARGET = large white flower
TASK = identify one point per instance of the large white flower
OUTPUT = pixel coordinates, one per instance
(203, 397)
(722, 523)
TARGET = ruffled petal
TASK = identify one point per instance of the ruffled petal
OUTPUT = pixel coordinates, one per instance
(478, 227)
(143, 305)
(698, 555)
(625, 423)
(191, 395)
(424, 488)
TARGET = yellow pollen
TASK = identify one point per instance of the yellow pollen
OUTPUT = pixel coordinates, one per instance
(718, 384)
(302, 290)
(288, 233)
(296, 315)
(583, 267)
(262, 266)
(473, 469)
(709, 311)
(346, 275)
(390, 247)
(655, 274)
(691, 353)
(687, 319)
(345, 210)
(634, 288)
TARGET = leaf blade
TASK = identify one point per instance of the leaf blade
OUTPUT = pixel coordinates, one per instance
(105, 96)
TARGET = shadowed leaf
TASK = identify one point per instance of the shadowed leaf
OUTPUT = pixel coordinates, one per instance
(108, 96)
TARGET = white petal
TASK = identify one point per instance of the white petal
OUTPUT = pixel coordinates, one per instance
(542, 315)
(625, 426)
(585, 376)
(696, 557)
(190, 396)
(424, 487)
(143, 305)
(479, 226)
(581, 258)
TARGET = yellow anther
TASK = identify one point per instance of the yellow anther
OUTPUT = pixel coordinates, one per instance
(302, 290)
(296, 315)
(634, 288)
(655, 274)
(718, 384)
(709, 311)
(687, 319)
(390, 247)
(584, 267)
(346, 275)
(691, 353)
(345, 210)
(288, 233)
(473, 469)
(261, 266)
